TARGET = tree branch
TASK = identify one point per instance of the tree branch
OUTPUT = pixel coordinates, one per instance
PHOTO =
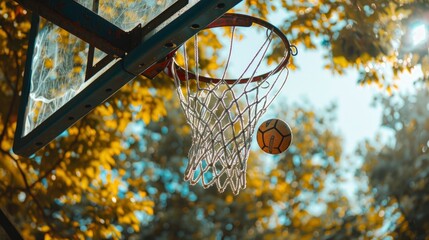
(9, 113)
(59, 161)
(30, 193)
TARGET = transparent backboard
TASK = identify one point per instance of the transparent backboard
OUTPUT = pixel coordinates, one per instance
(58, 72)
(60, 59)
(67, 74)
(128, 14)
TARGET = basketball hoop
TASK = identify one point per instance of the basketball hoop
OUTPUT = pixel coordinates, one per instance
(222, 111)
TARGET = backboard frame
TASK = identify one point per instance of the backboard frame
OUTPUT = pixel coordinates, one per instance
(134, 52)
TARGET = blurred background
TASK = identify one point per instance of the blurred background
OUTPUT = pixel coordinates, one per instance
(357, 100)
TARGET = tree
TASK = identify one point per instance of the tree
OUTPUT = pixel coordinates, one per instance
(374, 38)
(81, 185)
(398, 169)
(279, 202)
(76, 187)
(89, 184)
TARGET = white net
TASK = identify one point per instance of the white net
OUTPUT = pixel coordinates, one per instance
(222, 113)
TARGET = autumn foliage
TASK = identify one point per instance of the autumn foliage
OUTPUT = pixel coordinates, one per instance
(118, 172)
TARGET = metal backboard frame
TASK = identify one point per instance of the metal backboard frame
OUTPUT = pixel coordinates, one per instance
(131, 52)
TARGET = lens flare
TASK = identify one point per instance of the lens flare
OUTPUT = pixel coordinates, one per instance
(419, 34)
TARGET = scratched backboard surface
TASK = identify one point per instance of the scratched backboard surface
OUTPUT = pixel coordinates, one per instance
(60, 59)
(81, 52)
(58, 72)
(128, 14)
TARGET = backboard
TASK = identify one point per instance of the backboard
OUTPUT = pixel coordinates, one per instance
(81, 52)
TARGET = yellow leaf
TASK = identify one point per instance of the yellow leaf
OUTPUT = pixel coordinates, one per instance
(44, 228)
(136, 227)
(47, 237)
(229, 199)
(48, 63)
(341, 60)
(125, 219)
(142, 194)
(120, 211)
(148, 210)
(307, 177)
(84, 183)
(90, 233)
(90, 172)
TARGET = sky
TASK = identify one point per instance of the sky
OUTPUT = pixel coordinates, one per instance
(356, 119)
(311, 82)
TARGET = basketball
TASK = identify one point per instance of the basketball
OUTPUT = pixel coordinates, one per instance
(274, 136)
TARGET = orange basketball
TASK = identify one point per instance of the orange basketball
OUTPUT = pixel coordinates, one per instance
(274, 136)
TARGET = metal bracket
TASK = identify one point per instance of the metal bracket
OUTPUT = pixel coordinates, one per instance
(82, 23)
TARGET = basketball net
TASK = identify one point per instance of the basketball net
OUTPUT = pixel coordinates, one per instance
(223, 113)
